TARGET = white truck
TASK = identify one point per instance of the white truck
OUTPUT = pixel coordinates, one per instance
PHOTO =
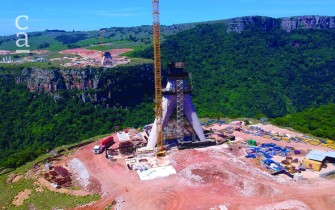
(97, 149)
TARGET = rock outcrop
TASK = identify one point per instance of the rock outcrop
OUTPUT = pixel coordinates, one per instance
(50, 81)
(307, 22)
(289, 23)
(241, 23)
(123, 86)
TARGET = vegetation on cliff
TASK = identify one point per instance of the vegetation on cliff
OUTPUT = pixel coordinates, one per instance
(33, 124)
(318, 121)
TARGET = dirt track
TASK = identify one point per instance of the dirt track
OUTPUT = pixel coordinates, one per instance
(206, 178)
(19, 198)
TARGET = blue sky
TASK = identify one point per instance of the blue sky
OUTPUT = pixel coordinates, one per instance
(92, 15)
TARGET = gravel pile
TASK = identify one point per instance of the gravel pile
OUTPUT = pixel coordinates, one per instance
(251, 188)
(289, 204)
(188, 177)
(223, 207)
(81, 173)
(119, 201)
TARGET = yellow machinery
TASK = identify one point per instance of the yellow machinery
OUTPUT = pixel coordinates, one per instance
(158, 75)
(161, 153)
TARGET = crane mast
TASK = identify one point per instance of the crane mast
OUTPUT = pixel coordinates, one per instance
(157, 70)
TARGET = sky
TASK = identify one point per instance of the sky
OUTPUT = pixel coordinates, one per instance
(83, 15)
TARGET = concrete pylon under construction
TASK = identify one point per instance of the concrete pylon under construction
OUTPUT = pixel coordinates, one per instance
(107, 59)
(177, 99)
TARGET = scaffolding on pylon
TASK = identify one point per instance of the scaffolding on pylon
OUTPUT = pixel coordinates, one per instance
(180, 110)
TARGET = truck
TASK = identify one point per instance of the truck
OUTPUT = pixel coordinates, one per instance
(97, 149)
(105, 143)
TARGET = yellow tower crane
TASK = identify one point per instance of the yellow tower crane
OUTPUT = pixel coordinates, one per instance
(158, 76)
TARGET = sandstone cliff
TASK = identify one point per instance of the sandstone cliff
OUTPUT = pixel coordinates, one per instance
(308, 22)
(289, 23)
(92, 84)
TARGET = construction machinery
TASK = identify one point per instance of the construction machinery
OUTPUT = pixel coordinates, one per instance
(157, 71)
(176, 95)
(106, 142)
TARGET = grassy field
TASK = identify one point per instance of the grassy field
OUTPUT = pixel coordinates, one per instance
(138, 61)
(44, 65)
(136, 48)
(41, 200)
(119, 44)
(34, 43)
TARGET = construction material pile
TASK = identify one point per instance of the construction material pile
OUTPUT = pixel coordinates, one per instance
(278, 134)
(268, 151)
(59, 176)
(82, 174)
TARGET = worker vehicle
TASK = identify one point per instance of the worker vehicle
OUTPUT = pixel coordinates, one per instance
(97, 149)
(106, 143)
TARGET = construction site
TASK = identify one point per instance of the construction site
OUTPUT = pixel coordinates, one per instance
(76, 57)
(177, 162)
(248, 167)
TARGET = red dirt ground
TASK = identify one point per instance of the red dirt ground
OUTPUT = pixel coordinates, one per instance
(40, 51)
(206, 178)
(5, 52)
(93, 57)
(93, 54)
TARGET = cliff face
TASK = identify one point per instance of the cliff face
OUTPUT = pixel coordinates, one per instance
(307, 22)
(289, 24)
(112, 86)
(50, 81)
(241, 23)
(53, 81)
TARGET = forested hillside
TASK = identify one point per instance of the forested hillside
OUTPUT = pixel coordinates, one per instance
(32, 124)
(317, 121)
(258, 71)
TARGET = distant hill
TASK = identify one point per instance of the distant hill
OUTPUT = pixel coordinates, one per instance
(56, 40)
